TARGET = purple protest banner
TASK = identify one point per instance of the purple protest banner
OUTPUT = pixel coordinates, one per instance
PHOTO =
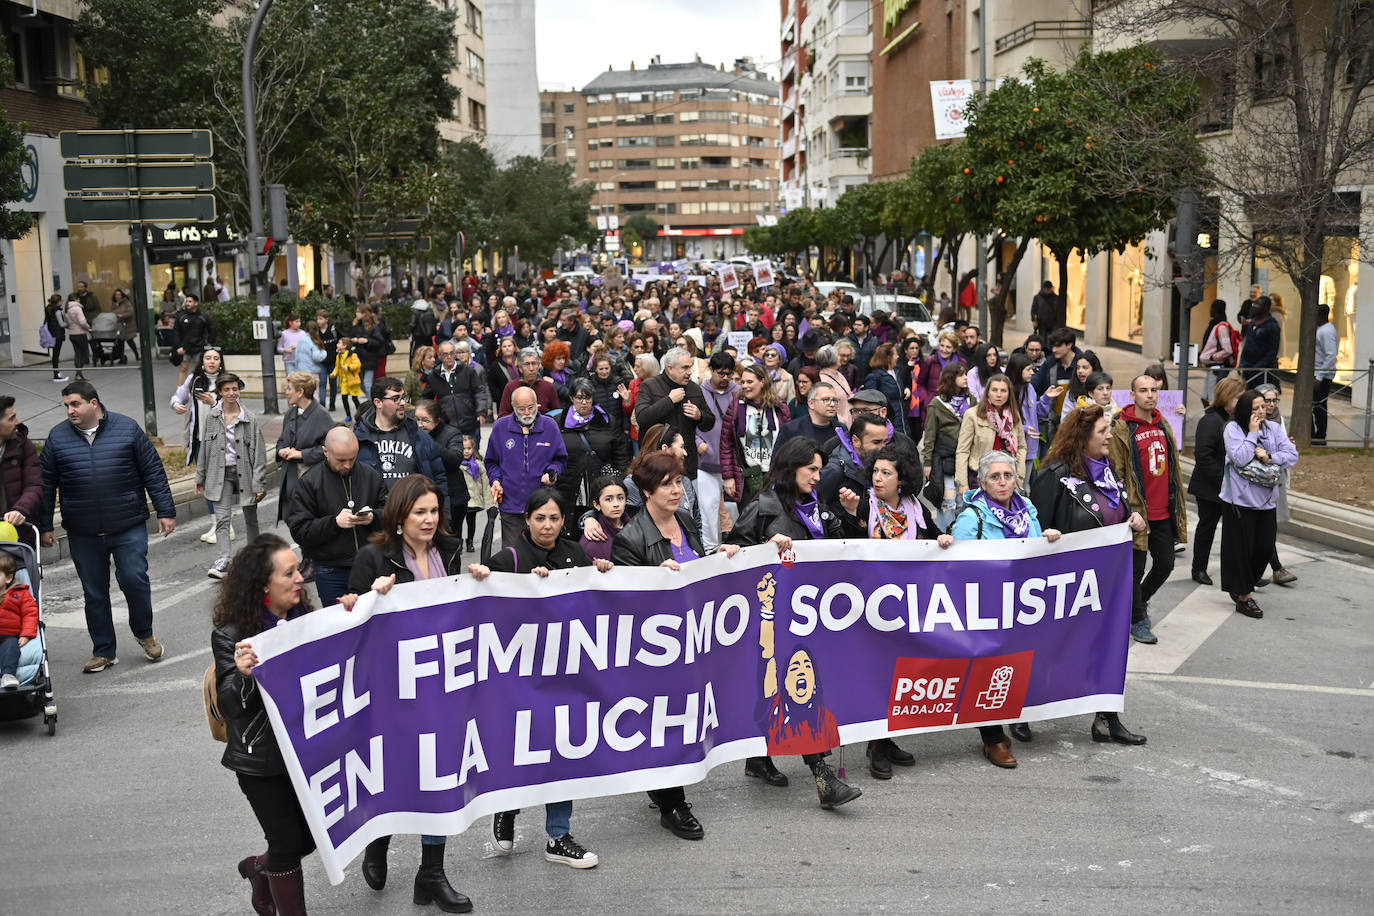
(446, 701)
(1169, 403)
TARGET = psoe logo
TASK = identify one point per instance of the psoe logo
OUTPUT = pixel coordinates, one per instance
(996, 687)
(931, 692)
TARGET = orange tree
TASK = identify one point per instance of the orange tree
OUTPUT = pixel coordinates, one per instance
(1086, 160)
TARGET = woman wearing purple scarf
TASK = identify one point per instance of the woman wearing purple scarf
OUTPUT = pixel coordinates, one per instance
(994, 512)
(413, 545)
(1077, 490)
(596, 444)
(789, 509)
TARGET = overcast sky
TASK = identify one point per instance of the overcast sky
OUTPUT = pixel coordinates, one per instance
(577, 39)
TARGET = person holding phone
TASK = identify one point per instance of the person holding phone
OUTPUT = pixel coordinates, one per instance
(334, 509)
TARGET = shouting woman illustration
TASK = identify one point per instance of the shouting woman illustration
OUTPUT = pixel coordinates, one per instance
(795, 718)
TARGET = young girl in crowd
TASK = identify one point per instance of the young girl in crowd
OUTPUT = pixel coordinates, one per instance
(18, 621)
(479, 489)
(608, 501)
(348, 369)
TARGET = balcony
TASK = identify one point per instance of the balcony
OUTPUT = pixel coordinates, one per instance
(1044, 28)
(789, 147)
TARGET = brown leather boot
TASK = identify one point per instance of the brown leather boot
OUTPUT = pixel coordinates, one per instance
(288, 891)
(254, 870)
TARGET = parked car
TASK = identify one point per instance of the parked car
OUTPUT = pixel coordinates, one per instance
(910, 309)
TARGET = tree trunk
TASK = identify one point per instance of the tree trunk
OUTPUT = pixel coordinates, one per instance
(997, 306)
(1309, 291)
(1061, 309)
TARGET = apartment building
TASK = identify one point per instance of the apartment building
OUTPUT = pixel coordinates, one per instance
(915, 43)
(827, 100)
(692, 145)
(467, 71)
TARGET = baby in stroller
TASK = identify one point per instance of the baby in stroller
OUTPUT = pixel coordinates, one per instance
(18, 620)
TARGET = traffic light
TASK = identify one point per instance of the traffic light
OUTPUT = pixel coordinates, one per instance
(1183, 247)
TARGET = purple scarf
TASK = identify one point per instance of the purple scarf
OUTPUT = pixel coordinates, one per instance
(473, 467)
(573, 421)
(1100, 470)
(1015, 518)
(809, 514)
(506, 331)
(436, 563)
(959, 404)
(559, 376)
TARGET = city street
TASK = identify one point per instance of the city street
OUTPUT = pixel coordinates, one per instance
(1255, 793)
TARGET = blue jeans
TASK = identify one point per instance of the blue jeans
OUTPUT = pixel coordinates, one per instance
(331, 582)
(91, 555)
(9, 654)
(368, 375)
(557, 818)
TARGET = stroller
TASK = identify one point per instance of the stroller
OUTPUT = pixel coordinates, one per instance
(35, 681)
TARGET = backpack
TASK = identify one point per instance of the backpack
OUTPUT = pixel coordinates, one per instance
(219, 729)
(1215, 353)
(45, 338)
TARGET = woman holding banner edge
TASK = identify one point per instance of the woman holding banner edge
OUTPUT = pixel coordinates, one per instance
(261, 588)
(542, 548)
(1076, 490)
(664, 536)
(413, 545)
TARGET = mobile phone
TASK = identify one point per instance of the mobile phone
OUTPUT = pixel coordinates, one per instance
(365, 510)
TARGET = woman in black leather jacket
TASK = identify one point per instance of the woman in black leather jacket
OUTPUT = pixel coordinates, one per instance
(663, 535)
(261, 588)
(1209, 463)
(789, 509)
(414, 544)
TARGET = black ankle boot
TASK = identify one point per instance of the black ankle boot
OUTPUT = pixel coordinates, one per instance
(431, 886)
(1107, 727)
(374, 863)
(830, 788)
(469, 546)
(762, 768)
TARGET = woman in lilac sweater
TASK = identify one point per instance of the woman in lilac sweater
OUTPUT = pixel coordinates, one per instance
(1249, 524)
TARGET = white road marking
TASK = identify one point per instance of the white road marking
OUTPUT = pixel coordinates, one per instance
(1363, 818)
(1180, 634)
(183, 684)
(75, 619)
(168, 660)
(1260, 685)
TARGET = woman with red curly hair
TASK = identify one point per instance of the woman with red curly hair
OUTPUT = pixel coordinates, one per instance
(557, 354)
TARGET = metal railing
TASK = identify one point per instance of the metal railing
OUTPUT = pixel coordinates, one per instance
(1349, 405)
(1043, 28)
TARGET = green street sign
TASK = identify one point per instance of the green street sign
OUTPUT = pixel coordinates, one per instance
(161, 208)
(147, 144)
(147, 176)
(401, 227)
(414, 243)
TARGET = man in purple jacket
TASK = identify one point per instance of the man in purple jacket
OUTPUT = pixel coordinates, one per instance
(525, 452)
(21, 481)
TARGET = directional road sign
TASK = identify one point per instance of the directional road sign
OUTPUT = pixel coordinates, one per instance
(398, 229)
(147, 176)
(148, 144)
(410, 243)
(161, 208)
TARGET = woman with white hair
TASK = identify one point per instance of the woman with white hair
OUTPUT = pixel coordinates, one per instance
(828, 363)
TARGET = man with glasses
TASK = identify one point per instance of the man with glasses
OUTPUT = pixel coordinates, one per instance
(675, 399)
(525, 452)
(545, 394)
(872, 404)
(818, 423)
(394, 444)
(459, 386)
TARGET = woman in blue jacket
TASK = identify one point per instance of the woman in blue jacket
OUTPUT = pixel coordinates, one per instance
(883, 378)
(995, 512)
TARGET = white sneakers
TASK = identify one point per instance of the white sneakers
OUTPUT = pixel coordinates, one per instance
(209, 536)
(9, 682)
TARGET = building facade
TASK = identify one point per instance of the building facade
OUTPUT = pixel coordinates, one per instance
(834, 100)
(915, 43)
(692, 146)
(512, 89)
(467, 71)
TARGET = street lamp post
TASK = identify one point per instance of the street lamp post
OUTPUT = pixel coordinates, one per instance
(261, 263)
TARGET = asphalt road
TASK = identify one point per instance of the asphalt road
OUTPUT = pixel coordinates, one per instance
(1255, 793)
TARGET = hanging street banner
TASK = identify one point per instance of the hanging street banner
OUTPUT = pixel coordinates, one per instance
(949, 101)
(443, 702)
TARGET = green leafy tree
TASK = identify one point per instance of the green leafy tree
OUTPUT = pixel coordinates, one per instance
(935, 209)
(1058, 156)
(638, 229)
(13, 223)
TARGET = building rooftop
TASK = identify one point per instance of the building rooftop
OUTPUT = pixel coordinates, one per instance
(692, 75)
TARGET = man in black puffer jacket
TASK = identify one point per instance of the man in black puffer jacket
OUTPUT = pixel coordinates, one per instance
(102, 464)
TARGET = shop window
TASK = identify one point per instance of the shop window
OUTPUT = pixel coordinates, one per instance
(1077, 292)
(1126, 295)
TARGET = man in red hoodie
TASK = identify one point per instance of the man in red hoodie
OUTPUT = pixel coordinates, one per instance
(1145, 456)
